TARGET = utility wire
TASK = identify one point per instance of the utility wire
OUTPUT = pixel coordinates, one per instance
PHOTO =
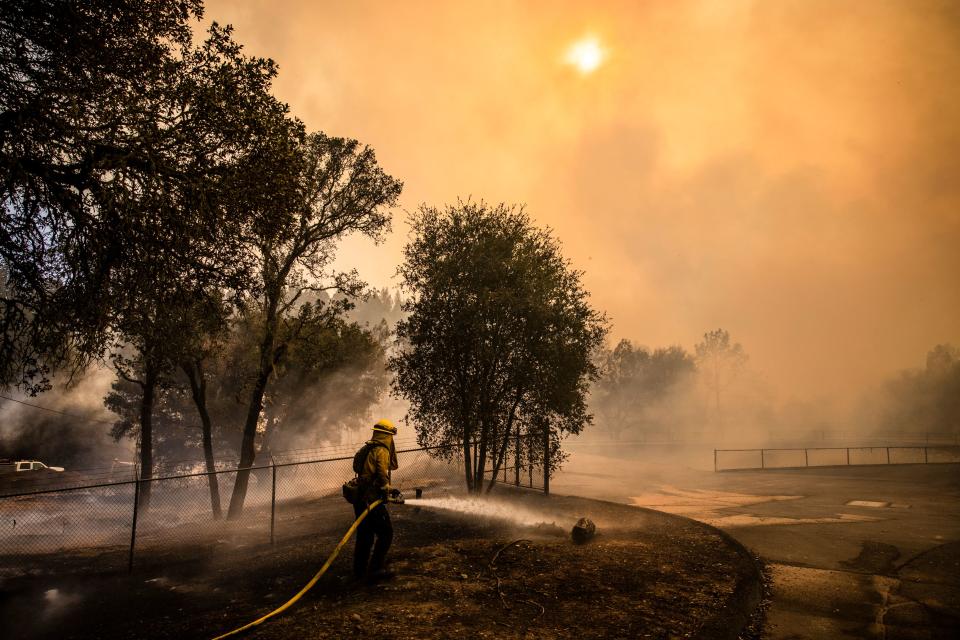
(62, 413)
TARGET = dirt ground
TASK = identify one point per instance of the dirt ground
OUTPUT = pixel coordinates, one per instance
(645, 575)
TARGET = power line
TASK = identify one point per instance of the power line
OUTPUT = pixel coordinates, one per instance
(62, 413)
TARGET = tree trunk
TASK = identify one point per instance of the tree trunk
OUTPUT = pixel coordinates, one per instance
(500, 456)
(146, 434)
(247, 447)
(516, 458)
(481, 457)
(467, 470)
(716, 390)
(268, 358)
(198, 389)
(546, 457)
(498, 460)
(476, 463)
(270, 422)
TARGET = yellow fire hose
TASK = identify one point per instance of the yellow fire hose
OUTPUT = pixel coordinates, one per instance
(326, 565)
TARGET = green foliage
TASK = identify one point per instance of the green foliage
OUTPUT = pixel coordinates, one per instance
(500, 335)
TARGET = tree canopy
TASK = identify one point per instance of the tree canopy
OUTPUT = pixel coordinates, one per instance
(325, 189)
(122, 142)
(926, 400)
(720, 362)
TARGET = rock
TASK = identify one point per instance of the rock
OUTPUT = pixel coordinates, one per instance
(583, 531)
(356, 617)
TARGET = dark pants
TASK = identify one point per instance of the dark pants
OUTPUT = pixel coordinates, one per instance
(375, 525)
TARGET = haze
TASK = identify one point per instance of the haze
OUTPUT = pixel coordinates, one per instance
(784, 170)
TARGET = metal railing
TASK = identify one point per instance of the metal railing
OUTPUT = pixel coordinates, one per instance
(801, 457)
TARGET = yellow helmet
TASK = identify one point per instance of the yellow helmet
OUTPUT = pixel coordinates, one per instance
(385, 426)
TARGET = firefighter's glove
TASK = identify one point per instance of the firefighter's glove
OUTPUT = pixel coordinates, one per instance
(395, 496)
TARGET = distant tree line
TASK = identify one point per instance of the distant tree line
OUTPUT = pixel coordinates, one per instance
(927, 400)
(655, 393)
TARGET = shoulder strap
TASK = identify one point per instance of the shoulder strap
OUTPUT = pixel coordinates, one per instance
(360, 457)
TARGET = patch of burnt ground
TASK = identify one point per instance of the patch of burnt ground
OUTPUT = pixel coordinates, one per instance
(645, 575)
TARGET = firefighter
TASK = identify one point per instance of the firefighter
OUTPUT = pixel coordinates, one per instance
(374, 483)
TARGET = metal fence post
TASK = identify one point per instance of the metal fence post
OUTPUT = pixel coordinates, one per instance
(516, 461)
(714, 459)
(763, 464)
(133, 526)
(273, 499)
(546, 458)
(888, 455)
(806, 458)
(924, 455)
(848, 456)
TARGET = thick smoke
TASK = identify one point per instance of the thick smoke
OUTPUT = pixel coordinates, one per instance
(783, 170)
(79, 442)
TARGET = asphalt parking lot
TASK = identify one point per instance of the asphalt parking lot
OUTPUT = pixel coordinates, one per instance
(864, 552)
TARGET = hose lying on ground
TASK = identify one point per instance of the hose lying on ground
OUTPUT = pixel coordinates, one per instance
(326, 565)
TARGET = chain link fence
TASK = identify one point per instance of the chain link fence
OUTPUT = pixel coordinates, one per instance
(149, 522)
(518, 469)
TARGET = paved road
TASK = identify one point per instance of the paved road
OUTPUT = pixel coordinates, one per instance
(862, 552)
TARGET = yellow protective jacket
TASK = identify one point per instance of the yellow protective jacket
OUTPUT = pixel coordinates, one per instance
(375, 475)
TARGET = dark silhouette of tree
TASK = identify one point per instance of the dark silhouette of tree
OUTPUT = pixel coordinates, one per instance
(119, 138)
(332, 372)
(204, 328)
(144, 174)
(334, 366)
(332, 187)
(720, 362)
(378, 306)
(635, 379)
(161, 300)
(926, 400)
(170, 443)
(121, 141)
(499, 339)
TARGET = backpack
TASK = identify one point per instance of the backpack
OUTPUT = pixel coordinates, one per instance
(352, 491)
(360, 457)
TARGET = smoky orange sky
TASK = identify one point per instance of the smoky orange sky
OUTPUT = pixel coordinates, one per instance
(786, 170)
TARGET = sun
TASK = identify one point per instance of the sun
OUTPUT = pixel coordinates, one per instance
(585, 54)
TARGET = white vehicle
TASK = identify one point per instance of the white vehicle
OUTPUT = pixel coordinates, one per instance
(27, 465)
